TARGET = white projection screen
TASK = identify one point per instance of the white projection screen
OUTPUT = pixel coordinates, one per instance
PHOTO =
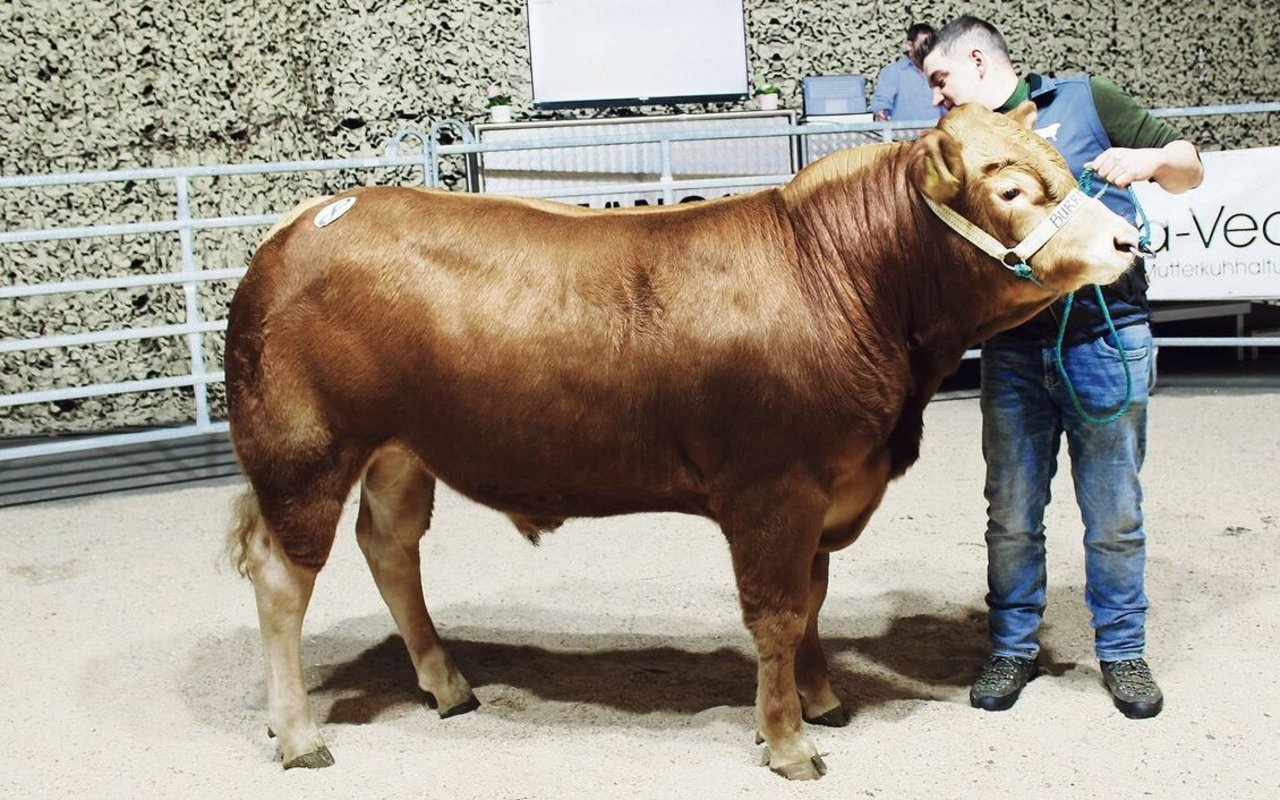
(601, 53)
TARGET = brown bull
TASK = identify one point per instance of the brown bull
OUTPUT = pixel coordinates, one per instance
(762, 360)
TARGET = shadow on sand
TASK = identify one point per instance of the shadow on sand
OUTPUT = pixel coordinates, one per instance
(919, 656)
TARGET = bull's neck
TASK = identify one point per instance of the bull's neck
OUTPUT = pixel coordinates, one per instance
(869, 246)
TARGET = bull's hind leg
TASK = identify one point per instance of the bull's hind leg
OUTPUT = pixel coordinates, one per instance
(819, 701)
(283, 587)
(773, 541)
(395, 509)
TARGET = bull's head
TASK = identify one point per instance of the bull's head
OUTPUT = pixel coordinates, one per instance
(1014, 187)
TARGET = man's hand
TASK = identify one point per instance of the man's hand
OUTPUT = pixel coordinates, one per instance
(881, 116)
(1122, 166)
(1176, 166)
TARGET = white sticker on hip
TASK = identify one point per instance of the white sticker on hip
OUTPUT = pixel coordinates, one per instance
(330, 213)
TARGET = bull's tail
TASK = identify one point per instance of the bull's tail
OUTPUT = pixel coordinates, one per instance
(247, 517)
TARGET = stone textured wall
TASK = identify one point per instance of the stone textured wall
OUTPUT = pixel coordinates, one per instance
(94, 85)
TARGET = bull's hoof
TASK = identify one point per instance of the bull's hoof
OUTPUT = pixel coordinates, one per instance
(809, 770)
(470, 704)
(316, 759)
(835, 718)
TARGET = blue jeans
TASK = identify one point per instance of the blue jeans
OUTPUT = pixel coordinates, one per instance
(1025, 410)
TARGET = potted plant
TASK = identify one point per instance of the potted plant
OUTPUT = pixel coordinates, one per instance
(767, 96)
(499, 104)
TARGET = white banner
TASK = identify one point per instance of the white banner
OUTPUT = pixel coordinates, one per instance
(1221, 240)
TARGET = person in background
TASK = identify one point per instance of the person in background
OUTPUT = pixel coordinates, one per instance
(1026, 406)
(902, 93)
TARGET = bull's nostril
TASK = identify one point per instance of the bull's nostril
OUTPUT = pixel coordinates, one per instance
(1126, 245)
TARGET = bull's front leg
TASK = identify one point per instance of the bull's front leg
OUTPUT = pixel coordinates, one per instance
(773, 541)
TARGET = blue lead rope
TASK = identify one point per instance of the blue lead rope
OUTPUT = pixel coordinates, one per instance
(1062, 369)
(1144, 245)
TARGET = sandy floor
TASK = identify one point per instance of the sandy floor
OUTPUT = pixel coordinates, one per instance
(611, 661)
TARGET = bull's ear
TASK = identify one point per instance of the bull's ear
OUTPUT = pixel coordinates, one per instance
(1025, 113)
(936, 167)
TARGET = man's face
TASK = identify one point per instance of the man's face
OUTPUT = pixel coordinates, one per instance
(955, 77)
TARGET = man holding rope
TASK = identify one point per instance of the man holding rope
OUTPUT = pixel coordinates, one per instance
(1027, 404)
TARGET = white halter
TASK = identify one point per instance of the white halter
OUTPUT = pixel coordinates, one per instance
(1014, 258)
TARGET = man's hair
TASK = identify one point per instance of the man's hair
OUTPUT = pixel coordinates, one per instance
(917, 29)
(970, 31)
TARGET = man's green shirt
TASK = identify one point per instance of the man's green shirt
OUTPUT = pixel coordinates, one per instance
(1126, 123)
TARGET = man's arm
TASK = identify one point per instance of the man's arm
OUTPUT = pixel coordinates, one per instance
(1145, 147)
(1176, 166)
(886, 91)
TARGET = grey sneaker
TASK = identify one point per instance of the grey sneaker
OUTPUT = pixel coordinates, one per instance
(1132, 687)
(1000, 682)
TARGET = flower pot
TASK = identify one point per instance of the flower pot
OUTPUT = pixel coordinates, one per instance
(766, 102)
(500, 113)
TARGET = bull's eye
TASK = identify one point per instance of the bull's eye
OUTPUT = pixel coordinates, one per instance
(1011, 193)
